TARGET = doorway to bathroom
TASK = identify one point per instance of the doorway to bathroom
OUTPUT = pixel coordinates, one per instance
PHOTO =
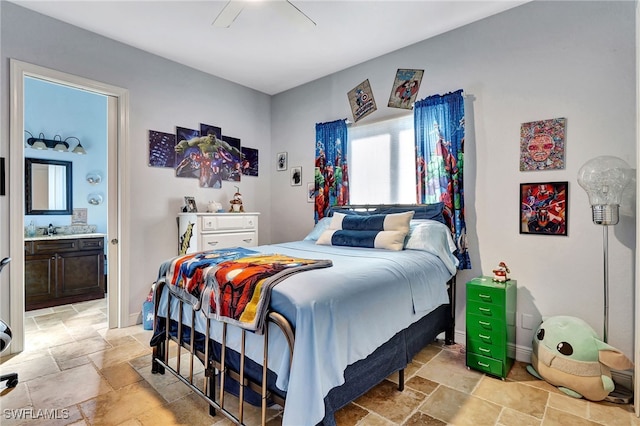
(97, 181)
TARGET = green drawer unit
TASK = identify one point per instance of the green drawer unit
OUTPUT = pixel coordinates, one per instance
(491, 325)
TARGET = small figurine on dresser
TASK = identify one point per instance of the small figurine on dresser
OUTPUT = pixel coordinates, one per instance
(500, 273)
(236, 203)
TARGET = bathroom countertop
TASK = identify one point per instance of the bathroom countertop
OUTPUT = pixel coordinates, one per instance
(65, 236)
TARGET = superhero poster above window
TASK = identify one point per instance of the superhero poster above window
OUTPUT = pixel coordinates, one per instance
(543, 208)
(542, 144)
(405, 88)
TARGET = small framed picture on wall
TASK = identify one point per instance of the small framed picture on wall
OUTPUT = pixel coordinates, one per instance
(311, 192)
(281, 161)
(296, 176)
(543, 208)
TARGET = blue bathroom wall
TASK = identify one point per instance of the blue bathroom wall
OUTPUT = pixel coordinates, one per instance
(53, 109)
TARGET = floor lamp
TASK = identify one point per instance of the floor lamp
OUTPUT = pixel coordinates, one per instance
(604, 178)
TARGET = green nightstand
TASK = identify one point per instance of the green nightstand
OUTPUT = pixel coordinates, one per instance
(491, 325)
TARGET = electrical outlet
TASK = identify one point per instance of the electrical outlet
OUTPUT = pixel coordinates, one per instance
(527, 322)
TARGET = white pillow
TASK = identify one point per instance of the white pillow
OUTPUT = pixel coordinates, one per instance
(318, 229)
(433, 237)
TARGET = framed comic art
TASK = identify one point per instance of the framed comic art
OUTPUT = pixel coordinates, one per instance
(405, 88)
(281, 161)
(361, 100)
(542, 144)
(543, 208)
(296, 176)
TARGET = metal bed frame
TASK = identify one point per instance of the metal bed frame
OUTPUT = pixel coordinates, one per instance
(220, 368)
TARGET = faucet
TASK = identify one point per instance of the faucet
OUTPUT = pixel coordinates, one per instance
(51, 231)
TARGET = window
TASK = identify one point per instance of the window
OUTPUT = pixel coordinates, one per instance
(381, 158)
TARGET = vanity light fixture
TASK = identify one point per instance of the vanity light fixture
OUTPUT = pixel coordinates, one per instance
(57, 144)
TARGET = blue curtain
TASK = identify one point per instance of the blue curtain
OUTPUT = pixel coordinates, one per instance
(439, 133)
(331, 173)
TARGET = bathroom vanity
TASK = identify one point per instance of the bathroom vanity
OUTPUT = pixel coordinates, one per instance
(62, 269)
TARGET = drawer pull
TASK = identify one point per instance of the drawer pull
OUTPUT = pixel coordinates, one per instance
(484, 296)
(482, 336)
(484, 323)
(485, 350)
(212, 243)
(248, 240)
(482, 364)
(484, 310)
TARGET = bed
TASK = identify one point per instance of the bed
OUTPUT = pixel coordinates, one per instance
(330, 332)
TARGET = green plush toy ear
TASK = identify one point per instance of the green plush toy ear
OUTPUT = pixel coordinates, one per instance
(612, 357)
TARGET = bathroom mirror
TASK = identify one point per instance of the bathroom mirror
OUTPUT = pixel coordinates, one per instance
(48, 187)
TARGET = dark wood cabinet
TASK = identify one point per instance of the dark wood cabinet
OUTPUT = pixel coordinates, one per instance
(63, 270)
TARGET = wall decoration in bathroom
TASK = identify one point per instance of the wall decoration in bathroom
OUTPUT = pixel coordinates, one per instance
(79, 217)
(249, 161)
(361, 100)
(405, 88)
(161, 152)
(542, 144)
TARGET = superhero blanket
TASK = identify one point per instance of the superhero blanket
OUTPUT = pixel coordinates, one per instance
(233, 285)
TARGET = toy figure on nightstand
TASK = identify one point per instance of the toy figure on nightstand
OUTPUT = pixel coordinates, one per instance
(500, 273)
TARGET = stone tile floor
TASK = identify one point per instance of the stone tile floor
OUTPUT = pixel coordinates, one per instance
(74, 371)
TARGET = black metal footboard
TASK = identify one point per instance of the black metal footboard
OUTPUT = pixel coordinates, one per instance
(220, 362)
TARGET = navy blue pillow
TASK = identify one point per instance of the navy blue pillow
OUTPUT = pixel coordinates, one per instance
(422, 211)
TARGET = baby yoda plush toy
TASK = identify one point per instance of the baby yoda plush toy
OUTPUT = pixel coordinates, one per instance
(568, 354)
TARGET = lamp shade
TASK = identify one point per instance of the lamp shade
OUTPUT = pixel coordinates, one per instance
(604, 178)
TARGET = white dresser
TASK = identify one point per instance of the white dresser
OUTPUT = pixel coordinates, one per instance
(210, 231)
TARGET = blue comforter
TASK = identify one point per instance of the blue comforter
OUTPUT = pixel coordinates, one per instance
(340, 314)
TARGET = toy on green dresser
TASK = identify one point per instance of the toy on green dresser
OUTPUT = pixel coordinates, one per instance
(568, 354)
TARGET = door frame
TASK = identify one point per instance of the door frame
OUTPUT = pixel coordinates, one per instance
(118, 219)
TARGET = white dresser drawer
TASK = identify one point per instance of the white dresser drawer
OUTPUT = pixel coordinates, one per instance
(236, 239)
(220, 223)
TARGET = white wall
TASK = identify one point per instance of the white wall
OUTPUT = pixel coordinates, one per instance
(538, 61)
(163, 94)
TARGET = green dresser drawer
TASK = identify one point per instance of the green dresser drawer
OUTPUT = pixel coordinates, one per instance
(486, 290)
(485, 323)
(485, 364)
(485, 309)
(489, 337)
(479, 347)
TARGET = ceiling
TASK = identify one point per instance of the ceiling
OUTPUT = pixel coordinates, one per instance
(263, 49)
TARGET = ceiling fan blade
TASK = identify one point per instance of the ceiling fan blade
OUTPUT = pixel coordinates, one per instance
(295, 15)
(228, 14)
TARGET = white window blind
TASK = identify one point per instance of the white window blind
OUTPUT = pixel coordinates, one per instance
(381, 158)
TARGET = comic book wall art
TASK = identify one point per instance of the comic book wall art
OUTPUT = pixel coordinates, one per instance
(187, 155)
(249, 161)
(543, 208)
(231, 159)
(205, 154)
(542, 144)
(161, 149)
(361, 100)
(405, 88)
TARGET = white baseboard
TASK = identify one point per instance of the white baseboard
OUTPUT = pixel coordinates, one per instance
(523, 354)
(135, 318)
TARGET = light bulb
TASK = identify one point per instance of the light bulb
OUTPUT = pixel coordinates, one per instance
(604, 178)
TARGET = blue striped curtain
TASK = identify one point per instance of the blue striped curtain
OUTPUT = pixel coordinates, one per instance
(439, 133)
(331, 171)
